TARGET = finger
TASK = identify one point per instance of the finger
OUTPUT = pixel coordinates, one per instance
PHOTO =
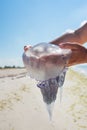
(27, 47)
(69, 45)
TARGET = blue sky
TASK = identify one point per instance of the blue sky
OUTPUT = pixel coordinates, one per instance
(32, 21)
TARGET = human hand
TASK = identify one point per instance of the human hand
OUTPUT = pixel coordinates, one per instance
(79, 53)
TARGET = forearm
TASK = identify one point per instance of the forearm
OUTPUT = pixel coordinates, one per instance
(68, 37)
(79, 36)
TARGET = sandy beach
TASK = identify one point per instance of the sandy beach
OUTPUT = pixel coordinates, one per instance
(22, 106)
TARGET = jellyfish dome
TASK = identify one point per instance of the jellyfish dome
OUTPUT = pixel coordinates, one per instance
(44, 61)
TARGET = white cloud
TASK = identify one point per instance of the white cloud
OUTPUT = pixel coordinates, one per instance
(69, 31)
(84, 22)
(72, 31)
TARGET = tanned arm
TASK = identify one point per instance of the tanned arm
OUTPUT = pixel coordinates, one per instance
(79, 36)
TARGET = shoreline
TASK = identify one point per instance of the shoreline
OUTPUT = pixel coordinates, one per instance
(82, 69)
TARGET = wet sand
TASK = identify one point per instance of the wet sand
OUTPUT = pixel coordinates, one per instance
(22, 106)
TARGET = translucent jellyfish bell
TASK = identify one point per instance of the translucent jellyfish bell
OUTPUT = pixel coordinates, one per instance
(47, 63)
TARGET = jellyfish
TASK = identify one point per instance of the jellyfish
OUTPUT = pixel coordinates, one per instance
(47, 63)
